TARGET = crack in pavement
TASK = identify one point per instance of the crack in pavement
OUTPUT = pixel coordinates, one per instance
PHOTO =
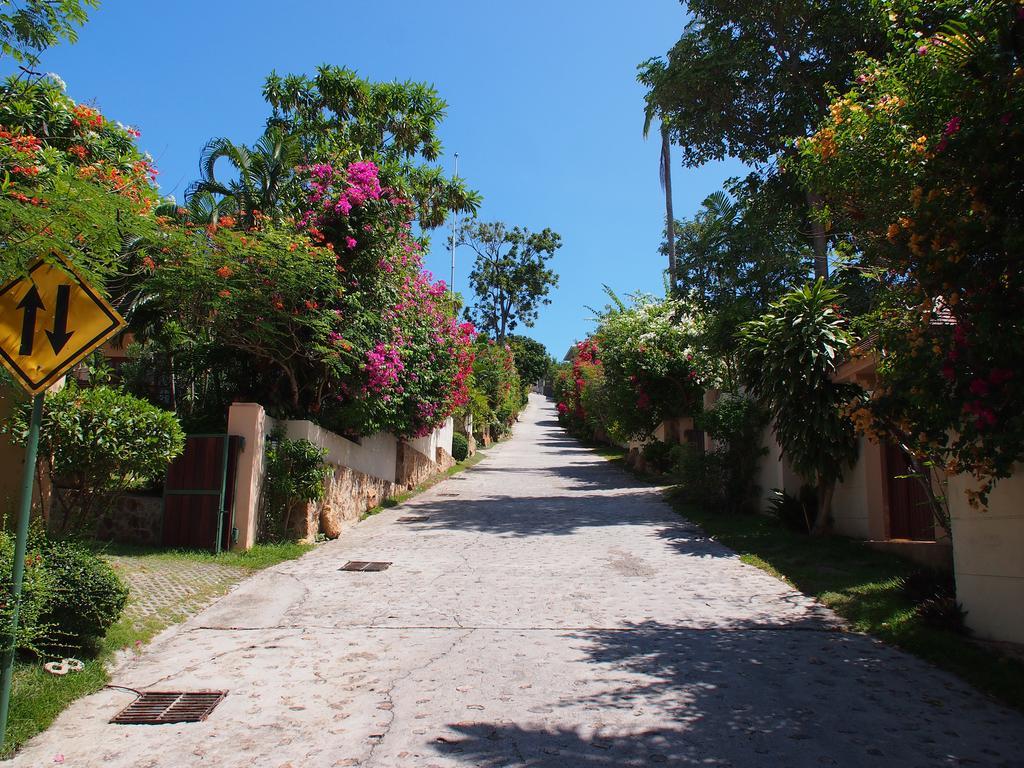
(379, 739)
(826, 629)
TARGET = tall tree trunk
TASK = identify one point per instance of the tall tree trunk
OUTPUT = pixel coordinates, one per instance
(826, 489)
(670, 221)
(819, 239)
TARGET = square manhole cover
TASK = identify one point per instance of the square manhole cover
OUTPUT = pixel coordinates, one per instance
(414, 519)
(159, 707)
(364, 565)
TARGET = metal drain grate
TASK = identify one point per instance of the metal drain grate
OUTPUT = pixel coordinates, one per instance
(362, 565)
(449, 494)
(414, 519)
(159, 707)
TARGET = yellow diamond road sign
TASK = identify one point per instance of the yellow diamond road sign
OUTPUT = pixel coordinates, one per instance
(49, 321)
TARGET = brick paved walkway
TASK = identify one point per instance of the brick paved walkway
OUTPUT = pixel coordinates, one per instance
(168, 589)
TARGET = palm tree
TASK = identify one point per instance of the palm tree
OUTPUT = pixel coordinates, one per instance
(264, 171)
(665, 175)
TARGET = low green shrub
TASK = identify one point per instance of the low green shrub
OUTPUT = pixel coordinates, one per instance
(660, 457)
(794, 512)
(460, 447)
(37, 588)
(735, 425)
(86, 596)
(296, 475)
(70, 596)
(99, 443)
(701, 477)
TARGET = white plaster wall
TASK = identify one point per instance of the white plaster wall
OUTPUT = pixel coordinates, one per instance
(774, 470)
(439, 438)
(988, 554)
(445, 435)
(850, 505)
(375, 455)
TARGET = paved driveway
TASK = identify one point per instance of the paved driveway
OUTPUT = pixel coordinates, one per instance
(549, 612)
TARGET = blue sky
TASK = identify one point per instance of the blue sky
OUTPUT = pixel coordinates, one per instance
(544, 109)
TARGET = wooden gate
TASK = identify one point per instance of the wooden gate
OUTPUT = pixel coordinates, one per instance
(910, 510)
(199, 494)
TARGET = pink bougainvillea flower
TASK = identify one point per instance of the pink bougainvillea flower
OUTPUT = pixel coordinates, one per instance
(952, 126)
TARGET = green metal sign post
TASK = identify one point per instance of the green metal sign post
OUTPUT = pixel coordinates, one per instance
(50, 319)
(18, 576)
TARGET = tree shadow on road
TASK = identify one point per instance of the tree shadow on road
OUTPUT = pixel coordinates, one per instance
(743, 697)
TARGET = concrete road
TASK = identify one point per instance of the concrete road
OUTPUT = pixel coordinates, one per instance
(548, 612)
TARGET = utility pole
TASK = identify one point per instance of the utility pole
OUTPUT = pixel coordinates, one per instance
(455, 218)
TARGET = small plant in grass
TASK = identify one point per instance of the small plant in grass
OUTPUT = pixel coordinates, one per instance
(296, 475)
(794, 512)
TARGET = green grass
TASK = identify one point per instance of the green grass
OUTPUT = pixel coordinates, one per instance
(259, 557)
(858, 583)
(37, 697)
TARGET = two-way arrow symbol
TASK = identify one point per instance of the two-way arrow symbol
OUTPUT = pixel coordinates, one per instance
(59, 335)
(32, 303)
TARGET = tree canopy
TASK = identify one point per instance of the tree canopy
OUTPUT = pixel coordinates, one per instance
(29, 27)
(510, 276)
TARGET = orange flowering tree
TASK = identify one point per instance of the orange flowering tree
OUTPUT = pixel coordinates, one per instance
(71, 181)
(922, 165)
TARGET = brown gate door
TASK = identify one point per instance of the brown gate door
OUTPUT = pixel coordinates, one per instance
(910, 511)
(199, 494)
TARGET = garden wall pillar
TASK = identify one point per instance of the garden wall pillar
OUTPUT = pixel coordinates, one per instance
(250, 422)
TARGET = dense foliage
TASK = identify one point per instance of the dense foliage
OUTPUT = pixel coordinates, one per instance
(790, 356)
(71, 181)
(652, 368)
(532, 359)
(70, 597)
(85, 599)
(496, 395)
(921, 163)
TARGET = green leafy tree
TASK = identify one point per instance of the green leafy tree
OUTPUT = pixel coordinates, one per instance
(744, 77)
(340, 118)
(510, 276)
(734, 257)
(790, 355)
(532, 359)
(496, 393)
(29, 27)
